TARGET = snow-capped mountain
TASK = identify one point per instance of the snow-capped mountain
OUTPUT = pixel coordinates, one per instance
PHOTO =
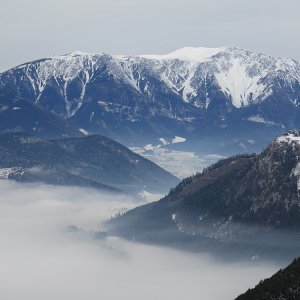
(192, 91)
(244, 76)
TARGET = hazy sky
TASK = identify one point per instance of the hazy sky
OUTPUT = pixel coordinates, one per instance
(31, 29)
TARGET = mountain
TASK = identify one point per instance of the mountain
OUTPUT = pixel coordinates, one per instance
(225, 96)
(20, 115)
(284, 285)
(85, 161)
(250, 201)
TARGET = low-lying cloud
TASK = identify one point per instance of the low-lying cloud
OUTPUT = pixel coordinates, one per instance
(41, 259)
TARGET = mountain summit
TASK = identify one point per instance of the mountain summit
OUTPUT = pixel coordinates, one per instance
(192, 54)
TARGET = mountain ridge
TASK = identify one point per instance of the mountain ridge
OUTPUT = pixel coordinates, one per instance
(185, 55)
(130, 97)
(85, 161)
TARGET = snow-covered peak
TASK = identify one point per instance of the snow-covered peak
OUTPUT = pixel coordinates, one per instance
(81, 53)
(193, 54)
(68, 58)
(290, 137)
(244, 77)
(75, 54)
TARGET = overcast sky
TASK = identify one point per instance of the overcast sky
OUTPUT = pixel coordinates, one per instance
(32, 29)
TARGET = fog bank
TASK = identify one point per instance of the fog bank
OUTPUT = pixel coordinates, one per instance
(41, 259)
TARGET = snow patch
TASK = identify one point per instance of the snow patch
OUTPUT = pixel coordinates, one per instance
(84, 131)
(243, 146)
(289, 138)
(29, 140)
(3, 107)
(149, 197)
(178, 139)
(163, 141)
(180, 163)
(239, 85)
(149, 147)
(260, 119)
(296, 172)
(6, 172)
(195, 54)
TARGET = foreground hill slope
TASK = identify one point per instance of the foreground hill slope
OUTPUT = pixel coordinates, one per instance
(243, 199)
(89, 161)
(284, 285)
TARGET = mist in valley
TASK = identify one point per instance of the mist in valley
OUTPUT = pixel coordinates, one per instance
(41, 258)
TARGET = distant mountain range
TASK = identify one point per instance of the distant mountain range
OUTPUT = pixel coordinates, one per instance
(284, 285)
(250, 201)
(93, 161)
(228, 97)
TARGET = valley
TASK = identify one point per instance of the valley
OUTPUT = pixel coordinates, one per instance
(50, 247)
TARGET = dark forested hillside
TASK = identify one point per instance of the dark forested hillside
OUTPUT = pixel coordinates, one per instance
(89, 161)
(284, 285)
(243, 199)
(18, 114)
